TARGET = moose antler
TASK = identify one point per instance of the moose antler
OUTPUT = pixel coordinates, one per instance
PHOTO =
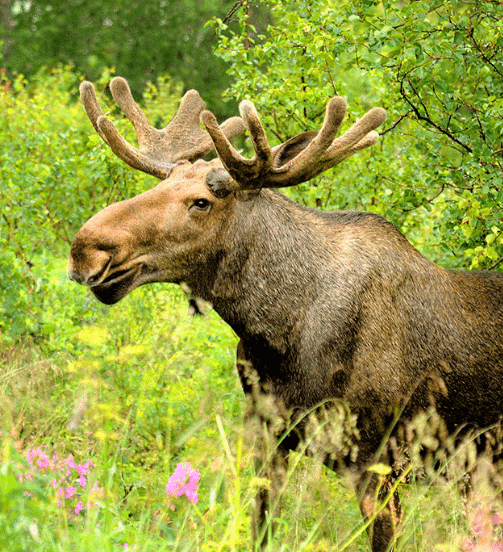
(158, 150)
(300, 158)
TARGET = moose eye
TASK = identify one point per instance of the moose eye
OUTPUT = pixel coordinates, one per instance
(201, 204)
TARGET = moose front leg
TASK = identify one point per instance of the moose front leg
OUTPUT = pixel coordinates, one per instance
(265, 422)
(380, 505)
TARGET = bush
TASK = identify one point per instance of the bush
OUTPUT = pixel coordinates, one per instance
(56, 173)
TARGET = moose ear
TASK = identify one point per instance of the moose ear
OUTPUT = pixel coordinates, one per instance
(286, 152)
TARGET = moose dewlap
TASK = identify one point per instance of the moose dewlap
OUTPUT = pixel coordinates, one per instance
(332, 309)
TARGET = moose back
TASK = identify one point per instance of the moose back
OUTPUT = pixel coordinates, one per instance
(328, 306)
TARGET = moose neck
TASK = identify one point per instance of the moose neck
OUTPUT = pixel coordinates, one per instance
(264, 276)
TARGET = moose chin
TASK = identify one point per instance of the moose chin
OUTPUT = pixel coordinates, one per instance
(329, 307)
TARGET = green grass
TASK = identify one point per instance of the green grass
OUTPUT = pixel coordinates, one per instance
(138, 388)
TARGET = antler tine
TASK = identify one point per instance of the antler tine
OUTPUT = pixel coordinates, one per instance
(107, 131)
(324, 152)
(236, 165)
(122, 95)
(88, 98)
(263, 151)
(129, 154)
(158, 150)
(358, 131)
(220, 141)
(334, 115)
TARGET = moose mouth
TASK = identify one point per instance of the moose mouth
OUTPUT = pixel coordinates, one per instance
(116, 286)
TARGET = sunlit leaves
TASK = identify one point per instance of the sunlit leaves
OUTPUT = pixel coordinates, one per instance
(55, 173)
(438, 70)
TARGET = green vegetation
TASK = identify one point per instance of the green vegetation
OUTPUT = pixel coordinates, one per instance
(141, 40)
(437, 68)
(142, 386)
(136, 391)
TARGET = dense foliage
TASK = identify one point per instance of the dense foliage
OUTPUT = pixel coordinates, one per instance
(438, 70)
(141, 40)
(55, 174)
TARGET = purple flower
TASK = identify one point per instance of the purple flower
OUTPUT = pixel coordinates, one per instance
(183, 481)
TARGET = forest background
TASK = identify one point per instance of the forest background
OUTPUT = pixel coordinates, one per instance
(141, 386)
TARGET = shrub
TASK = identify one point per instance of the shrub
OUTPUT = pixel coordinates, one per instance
(56, 173)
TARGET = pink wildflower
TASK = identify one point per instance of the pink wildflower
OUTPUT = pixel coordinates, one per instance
(482, 524)
(65, 476)
(32, 453)
(184, 481)
(43, 462)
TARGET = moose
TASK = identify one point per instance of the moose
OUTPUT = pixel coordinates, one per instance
(328, 306)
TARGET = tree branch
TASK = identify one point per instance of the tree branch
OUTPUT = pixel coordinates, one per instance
(396, 123)
(428, 119)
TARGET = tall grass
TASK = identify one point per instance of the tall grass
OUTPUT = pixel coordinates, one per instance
(140, 388)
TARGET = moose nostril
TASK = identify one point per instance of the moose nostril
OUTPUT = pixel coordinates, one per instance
(95, 277)
(90, 276)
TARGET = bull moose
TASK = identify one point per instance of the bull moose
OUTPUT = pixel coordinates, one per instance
(328, 306)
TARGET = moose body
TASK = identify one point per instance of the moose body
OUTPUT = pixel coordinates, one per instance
(327, 306)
